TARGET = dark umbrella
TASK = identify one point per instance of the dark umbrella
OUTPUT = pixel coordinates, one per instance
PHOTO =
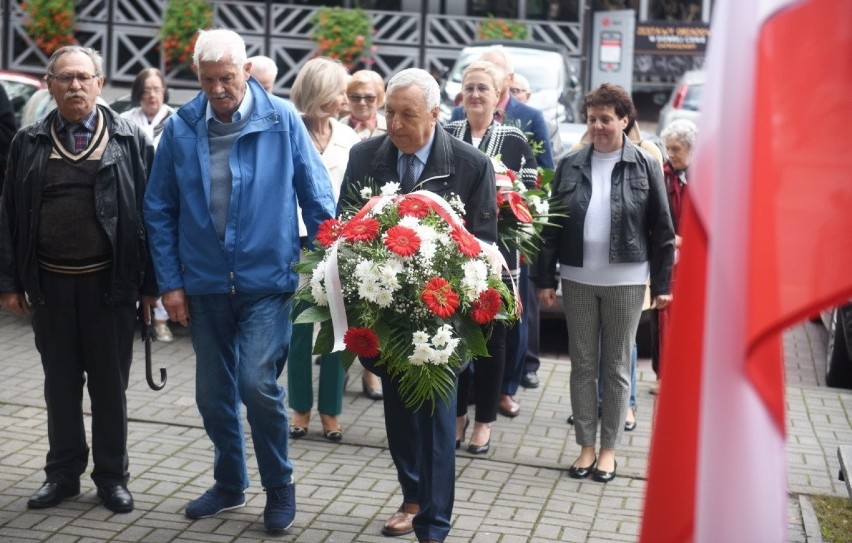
(149, 335)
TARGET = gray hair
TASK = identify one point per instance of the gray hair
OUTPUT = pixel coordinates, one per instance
(420, 78)
(263, 64)
(219, 44)
(682, 130)
(96, 58)
(497, 56)
(320, 81)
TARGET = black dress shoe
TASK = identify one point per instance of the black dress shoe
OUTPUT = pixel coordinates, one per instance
(116, 498)
(605, 476)
(479, 449)
(577, 472)
(51, 494)
(530, 380)
(571, 420)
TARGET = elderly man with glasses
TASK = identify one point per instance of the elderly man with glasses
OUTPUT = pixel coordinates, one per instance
(73, 254)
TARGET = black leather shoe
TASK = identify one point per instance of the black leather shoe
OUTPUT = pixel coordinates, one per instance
(116, 498)
(571, 420)
(479, 449)
(530, 380)
(51, 494)
(577, 472)
(605, 476)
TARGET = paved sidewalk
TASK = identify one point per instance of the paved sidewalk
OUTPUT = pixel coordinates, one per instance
(519, 492)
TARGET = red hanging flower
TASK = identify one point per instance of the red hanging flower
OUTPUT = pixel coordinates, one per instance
(362, 341)
(467, 244)
(439, 297)
(486, 307)
(402, 240)
(516, 204)
(361, 230)
(328, 232)
(412, 207)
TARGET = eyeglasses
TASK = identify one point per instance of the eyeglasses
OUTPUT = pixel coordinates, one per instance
(516, 90)
(152, 90)
(66, 79)
(481, 89)
(369, 98)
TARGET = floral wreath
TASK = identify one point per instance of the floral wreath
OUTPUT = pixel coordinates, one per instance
(401, 281)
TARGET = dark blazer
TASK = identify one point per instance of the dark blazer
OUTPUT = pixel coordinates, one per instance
(528, 119)
(453, 167)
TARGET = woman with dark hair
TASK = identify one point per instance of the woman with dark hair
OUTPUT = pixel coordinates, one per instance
(616, 233)
(149, 96)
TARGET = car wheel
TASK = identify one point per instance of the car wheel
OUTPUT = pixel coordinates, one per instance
(838, 364)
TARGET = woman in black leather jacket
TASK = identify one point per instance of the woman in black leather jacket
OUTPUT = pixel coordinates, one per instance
(617, 233)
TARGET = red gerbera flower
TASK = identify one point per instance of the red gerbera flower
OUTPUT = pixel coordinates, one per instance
(362, 341)
(512, 175)
(402, 240)
(361, 230)
(439, 297)
(467, 244)
(518, 206)
(412, 207)
(486, 307)
(328, 232)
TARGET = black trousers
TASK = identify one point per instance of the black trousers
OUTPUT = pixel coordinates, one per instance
(82, 338)
(485, 375)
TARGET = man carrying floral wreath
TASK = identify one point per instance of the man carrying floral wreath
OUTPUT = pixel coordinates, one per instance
(419, 157)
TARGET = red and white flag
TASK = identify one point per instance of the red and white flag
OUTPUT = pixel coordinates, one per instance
(767, 242)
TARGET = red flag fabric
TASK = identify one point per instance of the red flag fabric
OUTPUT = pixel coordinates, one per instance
(766, 243)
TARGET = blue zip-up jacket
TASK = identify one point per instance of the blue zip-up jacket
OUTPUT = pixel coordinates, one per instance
(273, 165)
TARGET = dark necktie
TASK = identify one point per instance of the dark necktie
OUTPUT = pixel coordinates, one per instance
(408, 176)
(70, 141)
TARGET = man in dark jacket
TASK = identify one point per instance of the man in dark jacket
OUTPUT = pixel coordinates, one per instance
(414, 153)
(73, 253)
(8, 126)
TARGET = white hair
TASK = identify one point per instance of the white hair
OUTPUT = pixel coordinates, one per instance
(264, 65)
(219, 44)
(681, 130)
(419, 78)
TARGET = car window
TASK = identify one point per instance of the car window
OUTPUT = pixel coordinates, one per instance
(18, 94)
(692, 99)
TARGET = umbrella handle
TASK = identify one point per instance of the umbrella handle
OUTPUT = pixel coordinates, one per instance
(148, 336)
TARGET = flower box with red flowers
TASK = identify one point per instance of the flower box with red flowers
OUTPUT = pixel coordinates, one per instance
(401, 281)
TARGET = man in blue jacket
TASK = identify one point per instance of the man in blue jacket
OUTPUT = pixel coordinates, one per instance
(221, 204)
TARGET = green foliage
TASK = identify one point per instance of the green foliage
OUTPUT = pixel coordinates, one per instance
(343, 34)
(502, 29)
(181, 22)
(835, 518)
(50, 23)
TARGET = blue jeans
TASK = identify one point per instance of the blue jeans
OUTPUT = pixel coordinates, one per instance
(634, 354)
(240, 340)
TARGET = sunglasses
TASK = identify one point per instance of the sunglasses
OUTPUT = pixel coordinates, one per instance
(369, 98)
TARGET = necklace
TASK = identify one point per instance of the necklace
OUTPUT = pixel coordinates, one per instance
(315, 137)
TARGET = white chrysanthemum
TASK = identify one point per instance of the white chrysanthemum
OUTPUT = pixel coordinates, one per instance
(443, 336)
(475, 279)
(422, 354)
(390, 188)
(441, 357)
(384, 298)
(427, 250)
(366, 193)
(420, 337)
(410, 221)
(369, 290)
(365, 269)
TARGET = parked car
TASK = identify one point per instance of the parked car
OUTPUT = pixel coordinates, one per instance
(838, 357)
(685, 99)
(552, 74)
(19, 88)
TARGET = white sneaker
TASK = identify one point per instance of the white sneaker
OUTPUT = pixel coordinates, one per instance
(163, 332)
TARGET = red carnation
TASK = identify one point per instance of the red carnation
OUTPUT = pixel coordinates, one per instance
(412, 207)
(362, 341)
(361, 230)
(328, 232)
(439, 297)
(486, 307)
(402, 240)
(467, 244)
